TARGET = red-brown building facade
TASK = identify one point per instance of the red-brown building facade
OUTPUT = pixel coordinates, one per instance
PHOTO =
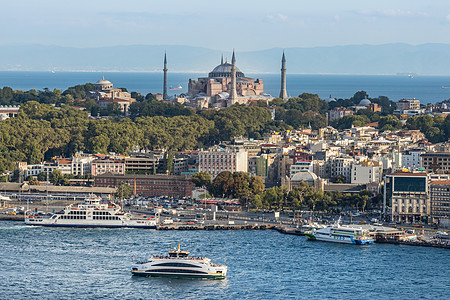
(149, 185)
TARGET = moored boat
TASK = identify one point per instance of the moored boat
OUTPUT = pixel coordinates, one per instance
(345, 234)
(179, 264)
(92, 212)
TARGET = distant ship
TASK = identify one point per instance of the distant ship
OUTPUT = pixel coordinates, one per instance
(176, 88)
(445, 87)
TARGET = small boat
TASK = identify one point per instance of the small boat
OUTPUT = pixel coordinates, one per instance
(345, 234)
(179, 87)
(445, 87)
(179, 264)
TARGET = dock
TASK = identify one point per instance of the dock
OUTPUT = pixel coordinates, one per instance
(215, 227)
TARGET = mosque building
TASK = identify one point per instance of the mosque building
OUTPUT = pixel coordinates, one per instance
(105, 93)
(226, 85)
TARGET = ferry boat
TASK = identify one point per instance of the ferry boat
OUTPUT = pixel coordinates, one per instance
(179, 264)
(345, 234)
(179, 87)
(92, 212)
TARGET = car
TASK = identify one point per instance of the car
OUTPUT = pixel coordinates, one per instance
(168, 221)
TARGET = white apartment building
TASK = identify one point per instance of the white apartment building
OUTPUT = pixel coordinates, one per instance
(411, 159)
(34, 170)
(217, 160)
(366, 172)
(81, 165)
(341, 165)
(301, 166)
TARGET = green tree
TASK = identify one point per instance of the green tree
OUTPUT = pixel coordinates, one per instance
(389, 123)
(202, 179)
(123, 190)
(339, 179)
(256, 185)
(56, 177)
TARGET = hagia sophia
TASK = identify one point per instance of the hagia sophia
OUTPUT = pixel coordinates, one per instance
(226, 85)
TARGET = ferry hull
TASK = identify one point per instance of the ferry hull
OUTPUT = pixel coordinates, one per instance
(154, 274)
(339, 239)
(93, 226)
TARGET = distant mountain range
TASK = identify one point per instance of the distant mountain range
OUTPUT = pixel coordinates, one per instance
(426, 59)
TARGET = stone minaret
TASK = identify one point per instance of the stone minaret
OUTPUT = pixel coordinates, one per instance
(233, 94)
(165, 96)
(283, 92)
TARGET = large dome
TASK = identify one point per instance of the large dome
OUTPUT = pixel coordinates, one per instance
(103, 81)
(365, 102)
(224, 70)
(307, 176)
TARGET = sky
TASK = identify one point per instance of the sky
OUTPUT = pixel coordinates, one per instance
(245, 25)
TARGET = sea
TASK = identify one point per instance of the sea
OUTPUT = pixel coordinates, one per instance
(428, 89)
(74, 263)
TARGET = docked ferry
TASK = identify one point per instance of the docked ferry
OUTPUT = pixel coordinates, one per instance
(92, 212)
(345, 234)
(179, 264)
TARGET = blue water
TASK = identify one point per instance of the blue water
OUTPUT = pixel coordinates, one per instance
(425, 88)
(66, 263)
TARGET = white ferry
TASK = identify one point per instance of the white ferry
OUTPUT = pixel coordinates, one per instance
(179, 264)
(90, 213)
(336, 233)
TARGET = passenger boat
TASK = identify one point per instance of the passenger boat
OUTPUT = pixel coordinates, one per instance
(179, 264)
(345, 234)
(92, 212)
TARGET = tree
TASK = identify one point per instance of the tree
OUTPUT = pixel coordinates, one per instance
(113, 109)
(56, 177)
(201, 179)
(15, 176)
(222, 185)
(123, 190)
(42, 176)
(34, 182)
(169, 162)
(339, 179)
(257, 201)
(256, 185)
(389, 123)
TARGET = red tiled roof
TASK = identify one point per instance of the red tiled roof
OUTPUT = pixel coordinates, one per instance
(443, 182)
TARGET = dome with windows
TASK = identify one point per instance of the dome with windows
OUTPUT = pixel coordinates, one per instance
(224, 70)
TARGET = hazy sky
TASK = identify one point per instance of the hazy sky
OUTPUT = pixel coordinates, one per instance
(243, 24)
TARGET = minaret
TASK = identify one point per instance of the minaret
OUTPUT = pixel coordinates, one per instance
(233, 94)
(165, 96)
(221, 61)
(283, 92)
